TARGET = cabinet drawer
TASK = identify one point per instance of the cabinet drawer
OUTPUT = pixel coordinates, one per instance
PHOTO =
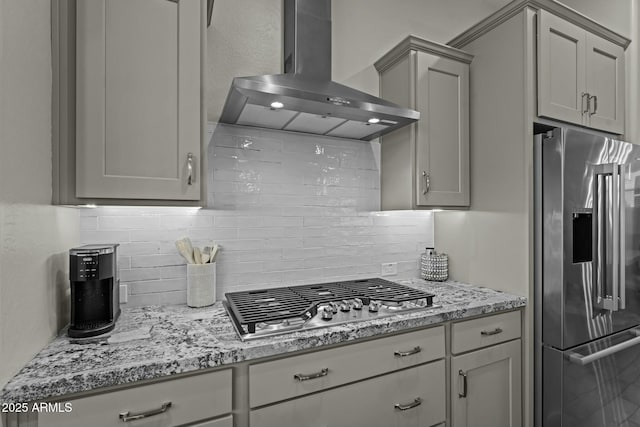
(220, 422)
(484, 331)
(285, 378)
(192, 398)
(367, 403)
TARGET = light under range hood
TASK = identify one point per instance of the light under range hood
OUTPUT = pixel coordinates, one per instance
(304, 99)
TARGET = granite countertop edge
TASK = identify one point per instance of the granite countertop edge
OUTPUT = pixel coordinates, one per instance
(32, 384)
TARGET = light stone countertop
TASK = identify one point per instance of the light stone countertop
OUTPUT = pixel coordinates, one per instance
(156, 341)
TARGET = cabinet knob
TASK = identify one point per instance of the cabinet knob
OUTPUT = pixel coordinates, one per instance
(427, 182)
(190, 169)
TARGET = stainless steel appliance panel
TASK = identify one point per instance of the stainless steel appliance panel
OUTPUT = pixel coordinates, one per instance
(593, 384)
(570, 158)
(628, 157)
(590, 285)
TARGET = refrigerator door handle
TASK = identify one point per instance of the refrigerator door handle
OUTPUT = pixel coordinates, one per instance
(615, 214)
(605, 206)
(622, 255)
(581, 360)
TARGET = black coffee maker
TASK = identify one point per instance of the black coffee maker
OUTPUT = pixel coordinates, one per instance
(95, 290)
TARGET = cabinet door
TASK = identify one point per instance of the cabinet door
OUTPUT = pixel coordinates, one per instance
(138, 99)
(367, 403)
(442, 145)
(605, 84)
(486, 387)
(561, 69)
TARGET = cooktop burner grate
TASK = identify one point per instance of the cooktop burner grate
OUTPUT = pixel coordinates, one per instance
(325, 292)
(291, 307)
(384, 290)
(268, 305)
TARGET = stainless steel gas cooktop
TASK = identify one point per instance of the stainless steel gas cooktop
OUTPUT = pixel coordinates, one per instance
(268, 312)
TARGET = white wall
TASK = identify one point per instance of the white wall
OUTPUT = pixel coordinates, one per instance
(363, 30)
(288, 209)
(34, 236)
(614, 15)
(245, 37)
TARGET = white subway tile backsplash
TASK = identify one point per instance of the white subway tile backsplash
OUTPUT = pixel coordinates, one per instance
(303, 253)
(286, 208)
(124, 262)
(140, 261)
(155, 286)
(99, 236)
(88, 223)
(173, 271)
(186, 221)
(158, 298)
(136, 274)
(143, 222)
(139, 248)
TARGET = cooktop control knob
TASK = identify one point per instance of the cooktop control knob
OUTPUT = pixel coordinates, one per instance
(334, 307)
(357, 304)
(345, 306)
(374, 306)
(327, 313)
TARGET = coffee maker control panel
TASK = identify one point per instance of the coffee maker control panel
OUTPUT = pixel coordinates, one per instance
(92, 262)
(88, 267)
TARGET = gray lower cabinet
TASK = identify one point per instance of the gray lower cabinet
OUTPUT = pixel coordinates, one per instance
(128, 79)
(486, 387)
(426, 165)
(399, 380)
(411, 397)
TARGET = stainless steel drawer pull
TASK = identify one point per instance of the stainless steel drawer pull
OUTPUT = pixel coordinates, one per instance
(190, 169)
(415, 350)
(595, 104)
(304, 377)
(127, 416)
(416, 402)
(463, 374)
(496, 331)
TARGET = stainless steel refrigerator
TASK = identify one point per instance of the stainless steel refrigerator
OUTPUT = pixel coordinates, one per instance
(587, 293)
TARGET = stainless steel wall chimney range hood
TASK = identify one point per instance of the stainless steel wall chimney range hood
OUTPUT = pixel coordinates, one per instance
(304, 99)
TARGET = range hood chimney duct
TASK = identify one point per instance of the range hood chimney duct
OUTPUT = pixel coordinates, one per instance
(304, 99)
(307, 38)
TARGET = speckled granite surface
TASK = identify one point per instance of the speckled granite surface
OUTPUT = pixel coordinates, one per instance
(152, 342)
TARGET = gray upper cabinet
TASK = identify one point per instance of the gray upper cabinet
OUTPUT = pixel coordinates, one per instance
(426, 165)
(137, 106)
(580, 76)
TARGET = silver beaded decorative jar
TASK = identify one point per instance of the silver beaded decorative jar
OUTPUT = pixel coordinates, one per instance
(434, 266)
